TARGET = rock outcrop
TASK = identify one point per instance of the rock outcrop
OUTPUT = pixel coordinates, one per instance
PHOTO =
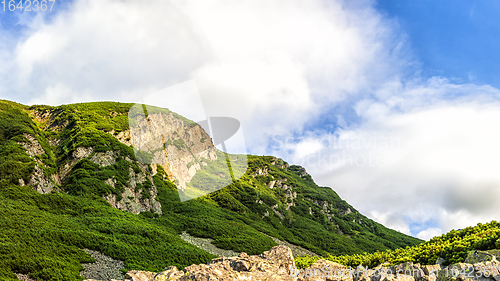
(275, 264)
(178, 146)
(278, 264)
(39, 180)
(131, 199)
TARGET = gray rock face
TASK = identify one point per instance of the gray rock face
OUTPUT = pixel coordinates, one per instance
(39, 181)
(77, 155)
(185, 145)
(33, 148)
(104, 159)
(179, 146)
(24, 277)
(278, 162)
(133, 201)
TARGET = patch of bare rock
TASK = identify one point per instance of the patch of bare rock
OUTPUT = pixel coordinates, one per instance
(104, 268)
(23, 277)
(278, 264)
(206, 244)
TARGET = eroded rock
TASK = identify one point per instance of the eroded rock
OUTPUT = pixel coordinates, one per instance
(278, 264)
(275, 264)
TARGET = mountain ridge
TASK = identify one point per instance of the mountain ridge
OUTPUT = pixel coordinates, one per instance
(82, 170)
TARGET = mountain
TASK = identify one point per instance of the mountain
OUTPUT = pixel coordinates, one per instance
(79, 176)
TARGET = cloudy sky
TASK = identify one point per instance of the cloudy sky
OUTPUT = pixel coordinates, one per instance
(392, 103)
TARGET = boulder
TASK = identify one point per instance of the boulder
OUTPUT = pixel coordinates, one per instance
(137, 275)
(431, 269)
(275, 264)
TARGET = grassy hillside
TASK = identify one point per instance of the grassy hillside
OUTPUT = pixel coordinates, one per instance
(452, 246)
(43, 234)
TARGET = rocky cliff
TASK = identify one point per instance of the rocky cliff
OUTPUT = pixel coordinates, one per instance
(162, 138)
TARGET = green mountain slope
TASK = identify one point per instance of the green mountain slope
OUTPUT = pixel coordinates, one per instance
(69, 180)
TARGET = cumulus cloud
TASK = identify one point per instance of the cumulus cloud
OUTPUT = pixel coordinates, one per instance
(391, 220)
(429, 233)
(415, 161)
(274, 65)
(108, 48)
(62, 94)
(401, 149)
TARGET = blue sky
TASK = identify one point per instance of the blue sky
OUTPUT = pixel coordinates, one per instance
(15, 21)
(457, 39)
(451, 39)
(394, 104)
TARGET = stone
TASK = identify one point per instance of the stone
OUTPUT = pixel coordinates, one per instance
(38, 180)
(137, 275)
(278, 264)
(25, 277)
(169, 273)
(33, 148)
(398, 277)
(431, 269)
(275, 264)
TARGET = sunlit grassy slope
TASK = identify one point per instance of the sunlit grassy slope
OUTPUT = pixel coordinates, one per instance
(43, 234)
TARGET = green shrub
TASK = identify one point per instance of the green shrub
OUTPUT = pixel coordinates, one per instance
(453, 247)
(43, 234)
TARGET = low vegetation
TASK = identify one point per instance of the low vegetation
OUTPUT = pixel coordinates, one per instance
(453, 247)
(43, 234)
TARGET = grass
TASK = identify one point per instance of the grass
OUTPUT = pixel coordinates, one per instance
(43, 235)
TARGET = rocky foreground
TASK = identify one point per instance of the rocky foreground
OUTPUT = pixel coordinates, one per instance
(278, 264)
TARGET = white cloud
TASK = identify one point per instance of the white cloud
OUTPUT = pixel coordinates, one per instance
(39, 48)
(429, 233)
(61, 94)
(462, 218)
(136, 46)
(427, 162)
(275, 65)
(307, 147)
(416, 149)
(391, 220)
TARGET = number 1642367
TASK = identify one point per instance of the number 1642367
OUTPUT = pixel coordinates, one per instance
(28, 5)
